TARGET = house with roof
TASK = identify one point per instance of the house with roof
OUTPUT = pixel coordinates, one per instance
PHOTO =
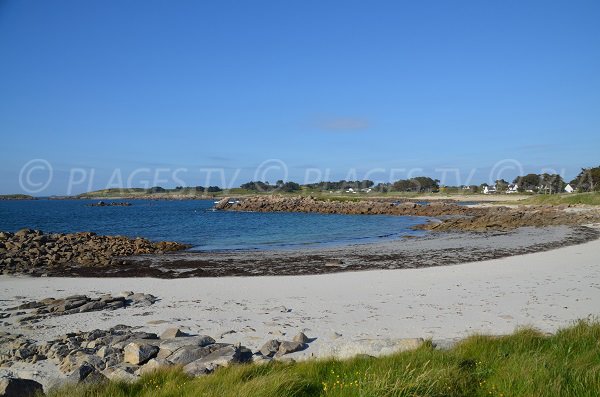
(569, 188)
(512, 188)
(489, 190)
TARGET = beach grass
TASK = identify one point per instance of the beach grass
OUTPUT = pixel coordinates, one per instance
(525, 363)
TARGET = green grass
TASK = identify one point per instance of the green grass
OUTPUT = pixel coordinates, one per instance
(526, 363)
(566, 198)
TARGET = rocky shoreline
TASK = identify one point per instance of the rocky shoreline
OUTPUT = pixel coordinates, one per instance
(124, 353)
(35, 252)
(453, 217)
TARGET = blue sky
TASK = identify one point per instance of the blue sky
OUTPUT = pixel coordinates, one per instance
(347, 88)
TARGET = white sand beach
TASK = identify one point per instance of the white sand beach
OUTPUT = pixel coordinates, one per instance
(546, 290)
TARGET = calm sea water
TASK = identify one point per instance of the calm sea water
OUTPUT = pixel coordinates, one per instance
(195, 223)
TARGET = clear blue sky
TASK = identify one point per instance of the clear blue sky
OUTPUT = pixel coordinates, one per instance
(333, 85)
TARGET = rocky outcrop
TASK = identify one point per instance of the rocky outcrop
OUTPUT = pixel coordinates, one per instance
(452, 216)
(34, 252)
(124, 353)
(274, 203)
(34, 311)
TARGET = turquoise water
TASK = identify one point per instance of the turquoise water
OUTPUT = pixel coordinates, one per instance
(195, 223)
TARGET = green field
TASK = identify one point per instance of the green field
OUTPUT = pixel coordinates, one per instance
(526, 363)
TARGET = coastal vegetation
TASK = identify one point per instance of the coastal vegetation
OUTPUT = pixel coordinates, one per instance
(525, 363)
(588, 180)
(16, 197)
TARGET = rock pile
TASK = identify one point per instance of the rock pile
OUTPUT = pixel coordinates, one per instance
(276, 203)
(34, 311)
(453, 216)
(124, 353)
(32, 251)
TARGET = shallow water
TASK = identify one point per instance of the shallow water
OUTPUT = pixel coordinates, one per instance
(194, 222)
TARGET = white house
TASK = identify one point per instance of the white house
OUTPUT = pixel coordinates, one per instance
(569, 188)
(489, 189)
(512, 188)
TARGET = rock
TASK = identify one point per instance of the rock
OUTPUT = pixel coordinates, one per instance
(152, 365)
(138, 353)
(171, 345)
(77, 359)
(86, 373)
(372, 347)
(301, 337)
(261, 360)
(222, 357)
(287, 347)
(172, 333)
(92, 306)
(187, 354)
(270, 348)
(16, 387)
(120, 374)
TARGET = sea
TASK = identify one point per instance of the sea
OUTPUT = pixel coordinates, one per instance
(197, 223)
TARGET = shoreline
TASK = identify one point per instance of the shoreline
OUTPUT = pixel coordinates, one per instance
(432, 250)
(372, 309)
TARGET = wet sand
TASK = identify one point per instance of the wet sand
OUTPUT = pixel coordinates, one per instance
(433, 250)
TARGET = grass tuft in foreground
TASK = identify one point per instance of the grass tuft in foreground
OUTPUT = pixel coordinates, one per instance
(526, 363)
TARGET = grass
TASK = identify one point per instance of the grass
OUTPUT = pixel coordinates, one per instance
(567, 198)
(526, 363)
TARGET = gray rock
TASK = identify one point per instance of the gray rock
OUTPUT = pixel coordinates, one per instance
(121, 374)
(16, 387)
(222, 357)
(171, 345)
(138, 353)
(301, 337)
(270, 348)
(172, 333)
(187, 354)
(152, 365)
(287, 347)
(92, 306)
(86, 373)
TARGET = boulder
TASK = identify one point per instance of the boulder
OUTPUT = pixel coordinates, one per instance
(222, 357)
(301, 337)
(152, 365)
(187, 354)
(170, 333)
(17, 387)
(372, 347)
(120, 374)
(270, 348)
(170, 345)
(138, 353)
(86, 373)
(287, 347)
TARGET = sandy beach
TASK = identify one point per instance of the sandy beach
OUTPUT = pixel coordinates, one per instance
(546, 290)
